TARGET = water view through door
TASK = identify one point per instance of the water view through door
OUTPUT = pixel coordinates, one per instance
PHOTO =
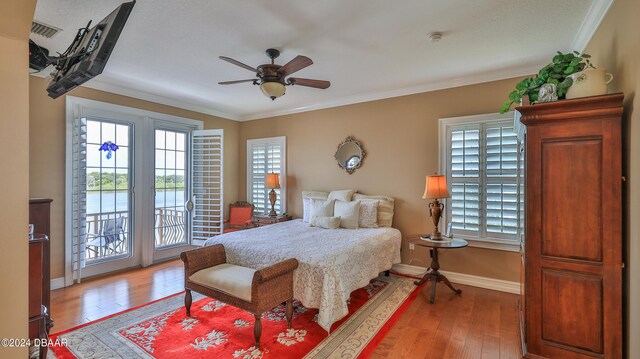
(170, 188)
(109, 196)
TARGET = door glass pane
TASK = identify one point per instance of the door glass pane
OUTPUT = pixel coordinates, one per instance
(108, 193)
(170, 216)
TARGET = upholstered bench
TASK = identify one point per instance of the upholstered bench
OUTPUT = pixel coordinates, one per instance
(207, 272)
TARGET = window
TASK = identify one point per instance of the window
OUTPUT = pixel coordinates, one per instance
(266, 155)
(481, 158)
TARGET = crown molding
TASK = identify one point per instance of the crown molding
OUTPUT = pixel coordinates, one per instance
(596, 13)
(434, 86)
(143, 95)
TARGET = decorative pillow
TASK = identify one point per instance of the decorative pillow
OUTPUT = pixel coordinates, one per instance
(385, 208)
(306, 202)
(368, 214)
(349, 212)
(342, 195)
(325, 222)
(321, 208)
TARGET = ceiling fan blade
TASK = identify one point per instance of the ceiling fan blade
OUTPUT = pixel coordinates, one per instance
(319, 84)
(297, 64)
(237, 63)
(235, 82)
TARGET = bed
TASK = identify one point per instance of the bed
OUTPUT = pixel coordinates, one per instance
(333, 262)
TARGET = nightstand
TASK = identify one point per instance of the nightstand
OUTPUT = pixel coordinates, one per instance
(265, 220)
(433, 273)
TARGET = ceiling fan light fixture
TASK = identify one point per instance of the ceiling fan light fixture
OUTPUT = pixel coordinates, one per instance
(272, 89)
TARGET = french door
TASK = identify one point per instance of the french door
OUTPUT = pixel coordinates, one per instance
(134, 193)
(171, 223)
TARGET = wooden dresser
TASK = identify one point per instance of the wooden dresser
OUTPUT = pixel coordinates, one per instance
(573, 247)
(39, 266)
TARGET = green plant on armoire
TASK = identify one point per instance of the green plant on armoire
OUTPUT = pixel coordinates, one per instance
(556, 73)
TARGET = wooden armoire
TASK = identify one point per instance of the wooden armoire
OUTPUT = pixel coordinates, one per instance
(573, 248)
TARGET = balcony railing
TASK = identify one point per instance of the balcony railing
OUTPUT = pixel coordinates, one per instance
(108, 233)
(170, 227)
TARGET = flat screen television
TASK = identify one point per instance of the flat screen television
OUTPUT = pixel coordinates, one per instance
(90, 55)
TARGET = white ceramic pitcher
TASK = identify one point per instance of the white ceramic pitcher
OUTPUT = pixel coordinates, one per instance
(589, 82)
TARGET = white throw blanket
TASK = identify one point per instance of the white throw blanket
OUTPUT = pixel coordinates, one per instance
(333, 262)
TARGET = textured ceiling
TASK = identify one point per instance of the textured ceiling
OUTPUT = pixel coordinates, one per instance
(368, 49)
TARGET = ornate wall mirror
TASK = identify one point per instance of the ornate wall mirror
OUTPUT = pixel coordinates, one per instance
(350, 155)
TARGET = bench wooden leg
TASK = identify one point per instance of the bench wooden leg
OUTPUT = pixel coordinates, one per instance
(289, 312)
(257, 329)
(187, 301)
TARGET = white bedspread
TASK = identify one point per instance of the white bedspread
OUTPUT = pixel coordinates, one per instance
(333, 262)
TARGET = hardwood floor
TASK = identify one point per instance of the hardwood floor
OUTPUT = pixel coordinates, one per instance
(478, 324)
(100, 297)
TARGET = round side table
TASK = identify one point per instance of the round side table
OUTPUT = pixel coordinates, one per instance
(433, 273)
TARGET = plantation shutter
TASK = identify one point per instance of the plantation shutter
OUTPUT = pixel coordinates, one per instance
(465, 179)
(265, 156)
(78, 196)
(501, 179)
(207, 202)
(484, 169)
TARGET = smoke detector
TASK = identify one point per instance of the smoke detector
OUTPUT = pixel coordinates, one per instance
(435, 36)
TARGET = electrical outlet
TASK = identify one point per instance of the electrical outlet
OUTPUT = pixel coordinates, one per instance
(412, 246)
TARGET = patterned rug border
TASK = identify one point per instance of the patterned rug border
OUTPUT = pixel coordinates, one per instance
(386, 328)
(406, 296)
(345, 332)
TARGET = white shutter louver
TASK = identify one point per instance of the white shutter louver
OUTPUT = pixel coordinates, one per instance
(502, 162)
(483, 169)
(465, 172)
(266, 155)
(78, 198)
(207, 177)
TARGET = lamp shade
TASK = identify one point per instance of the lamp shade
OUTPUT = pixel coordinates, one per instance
(436, 187)
(272, 89)
(273, 181)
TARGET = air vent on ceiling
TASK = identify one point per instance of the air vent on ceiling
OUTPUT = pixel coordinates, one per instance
(42, 29)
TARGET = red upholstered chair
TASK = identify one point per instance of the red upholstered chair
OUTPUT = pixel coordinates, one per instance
(240, 217)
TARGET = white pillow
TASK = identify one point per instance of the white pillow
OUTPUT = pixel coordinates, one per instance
(342, 195)
(385, 208)
(325, 222)
(368, 214)
(349, 212)
(306, 203)
(306, 210)
(321, 208)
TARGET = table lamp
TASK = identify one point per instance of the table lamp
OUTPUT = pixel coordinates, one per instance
(272, 183)
(436, 187)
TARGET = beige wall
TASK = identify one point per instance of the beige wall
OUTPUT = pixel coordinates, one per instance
(15, 21)
(47, 155)
(615, 46)
(400, 136)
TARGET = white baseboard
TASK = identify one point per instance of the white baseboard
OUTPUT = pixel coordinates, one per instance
(57, 283)
(466, 279)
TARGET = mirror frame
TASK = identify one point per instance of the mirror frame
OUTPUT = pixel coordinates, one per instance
(363, 154)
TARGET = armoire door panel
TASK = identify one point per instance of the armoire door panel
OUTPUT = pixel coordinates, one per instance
(571, 193)
(572, 310)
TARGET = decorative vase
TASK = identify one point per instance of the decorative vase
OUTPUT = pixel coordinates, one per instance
(589, 82)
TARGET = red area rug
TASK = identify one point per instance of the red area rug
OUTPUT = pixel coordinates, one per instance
(215, 330)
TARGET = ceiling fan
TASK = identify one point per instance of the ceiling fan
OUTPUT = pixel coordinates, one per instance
(271, 77)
